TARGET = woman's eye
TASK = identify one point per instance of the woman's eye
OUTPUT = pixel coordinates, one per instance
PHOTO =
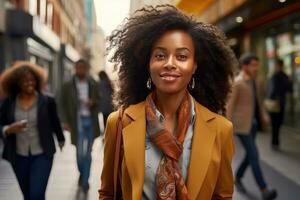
(182, 57)
(159, 56)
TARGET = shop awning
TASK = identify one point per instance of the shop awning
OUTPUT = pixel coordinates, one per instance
(194, 6)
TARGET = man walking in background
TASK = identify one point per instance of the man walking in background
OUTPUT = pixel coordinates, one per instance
(246, 113)
(79, 109)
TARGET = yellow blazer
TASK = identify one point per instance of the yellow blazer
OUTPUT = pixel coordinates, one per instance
(209, 172)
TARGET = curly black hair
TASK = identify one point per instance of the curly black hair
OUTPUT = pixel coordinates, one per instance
(10, 79)
(132, 44)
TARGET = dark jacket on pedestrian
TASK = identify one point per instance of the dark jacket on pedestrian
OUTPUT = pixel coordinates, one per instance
(47, 124)
(280, 85)
(106, 92)
(69, 107)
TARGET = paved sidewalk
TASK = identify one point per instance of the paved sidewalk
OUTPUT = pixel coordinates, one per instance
(274, 165)
(63, 180)
(281, 170)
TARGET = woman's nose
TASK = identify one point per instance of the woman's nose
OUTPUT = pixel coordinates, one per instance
(170, 64)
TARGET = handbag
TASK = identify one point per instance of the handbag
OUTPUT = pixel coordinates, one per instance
(272, 105)
(116, 177)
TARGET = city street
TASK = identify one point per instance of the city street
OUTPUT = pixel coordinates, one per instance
(71, 63)
(280, 170)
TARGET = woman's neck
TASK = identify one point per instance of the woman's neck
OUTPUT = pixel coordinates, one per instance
(168, 104)
(26, 96)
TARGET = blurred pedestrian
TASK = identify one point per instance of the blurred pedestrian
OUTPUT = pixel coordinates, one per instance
(27, 122)
(173, 83)
(79, 111)
(279, 86)
(2, 96)
(247, 114)
(106, 92)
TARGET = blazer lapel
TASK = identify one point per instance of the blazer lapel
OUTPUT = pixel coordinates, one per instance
(202, 144)
(40, 111)
(134, 147)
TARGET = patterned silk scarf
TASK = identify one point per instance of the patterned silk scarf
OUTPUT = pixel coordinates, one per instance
(170, 184)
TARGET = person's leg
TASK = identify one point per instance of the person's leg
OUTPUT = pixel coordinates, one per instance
(39, 175)
(88, 142)
(255, 165)
(79, 149)
(22, 171)
(253, 157)
(244, 164)
(275, 122)
(280, 122)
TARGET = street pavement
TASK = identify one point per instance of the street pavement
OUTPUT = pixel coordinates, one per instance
(281, 170)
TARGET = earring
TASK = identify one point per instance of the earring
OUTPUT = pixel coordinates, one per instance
(149, 83)
(192, 84)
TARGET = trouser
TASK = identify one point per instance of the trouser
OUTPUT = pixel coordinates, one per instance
(251, 158)
(276, 122)
(33, 172)
(84, 148)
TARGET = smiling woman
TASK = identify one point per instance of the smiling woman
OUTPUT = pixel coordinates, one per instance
(28, 119)
(174, 77)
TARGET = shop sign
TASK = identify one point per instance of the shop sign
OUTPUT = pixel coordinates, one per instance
(45, 33)
(71, 53)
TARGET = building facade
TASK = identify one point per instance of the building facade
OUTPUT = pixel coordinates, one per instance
(95, 41)
(51, 33)
(138, 4)
(270, 28)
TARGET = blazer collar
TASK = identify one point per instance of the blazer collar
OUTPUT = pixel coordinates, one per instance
(202, 145)
(134, 148)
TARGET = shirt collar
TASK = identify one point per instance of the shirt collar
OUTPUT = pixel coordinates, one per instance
(77, 80)
(193, 112)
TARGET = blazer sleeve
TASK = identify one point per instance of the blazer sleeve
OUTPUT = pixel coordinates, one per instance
(56, 125)
(106, 189)
(224, 186)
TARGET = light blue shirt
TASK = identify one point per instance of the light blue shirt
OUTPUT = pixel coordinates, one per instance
(153, 156)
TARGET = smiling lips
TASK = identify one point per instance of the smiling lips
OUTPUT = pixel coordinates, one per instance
(169, 77)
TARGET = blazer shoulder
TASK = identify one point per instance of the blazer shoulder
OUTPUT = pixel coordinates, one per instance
(224, 123)
(238, 81)
(113, 117)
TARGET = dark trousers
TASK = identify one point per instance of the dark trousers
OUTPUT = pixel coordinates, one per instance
(251, 158)
(276, 122)
(33, 173)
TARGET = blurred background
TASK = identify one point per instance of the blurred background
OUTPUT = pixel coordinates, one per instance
(56, 33)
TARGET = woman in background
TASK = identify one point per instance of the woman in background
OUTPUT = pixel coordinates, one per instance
(28, 121)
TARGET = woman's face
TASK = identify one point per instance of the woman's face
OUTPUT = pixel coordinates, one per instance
(172, 62)
(28, 84)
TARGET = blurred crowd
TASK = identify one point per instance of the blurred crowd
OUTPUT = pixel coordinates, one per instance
(30, 115)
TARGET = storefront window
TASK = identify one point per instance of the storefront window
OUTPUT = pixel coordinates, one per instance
(297, 72)
(32, 7)
(43, 6)
(49, 14)
(284, 51)
(271, 54)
